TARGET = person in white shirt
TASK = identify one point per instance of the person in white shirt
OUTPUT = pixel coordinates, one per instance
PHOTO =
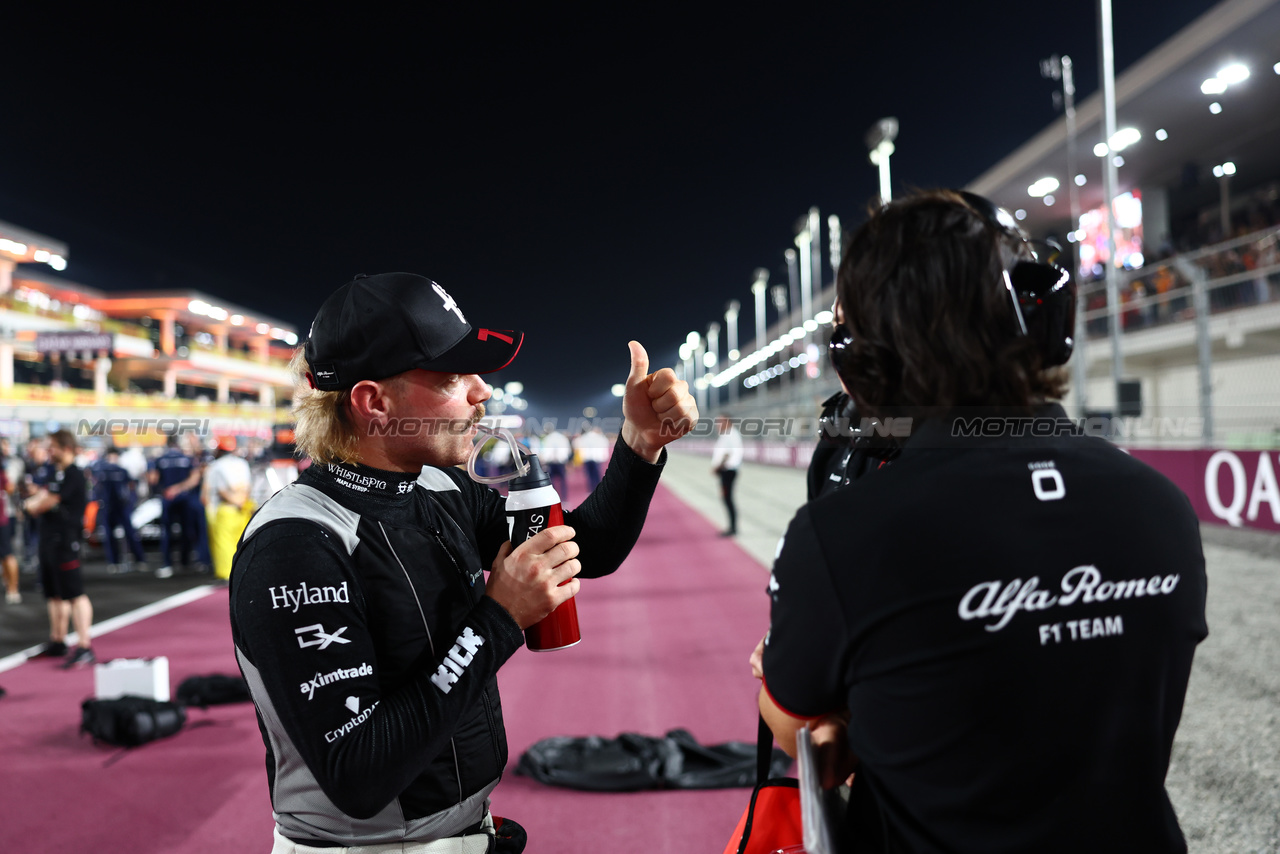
(593, 448)
(555, 455)
(227, 482)
(725, 460)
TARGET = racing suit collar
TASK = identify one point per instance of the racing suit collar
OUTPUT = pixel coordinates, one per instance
(368, 481)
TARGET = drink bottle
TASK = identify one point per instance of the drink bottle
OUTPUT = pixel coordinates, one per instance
(532, 505)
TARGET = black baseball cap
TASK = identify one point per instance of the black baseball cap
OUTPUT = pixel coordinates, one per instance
(375, 327)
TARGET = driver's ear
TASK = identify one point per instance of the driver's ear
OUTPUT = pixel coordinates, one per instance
(371, 401)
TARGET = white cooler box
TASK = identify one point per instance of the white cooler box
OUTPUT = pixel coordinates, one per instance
(137, 677)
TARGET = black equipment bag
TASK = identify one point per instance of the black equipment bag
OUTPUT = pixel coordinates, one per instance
(130, 721)
(212, 690)
(632, 762)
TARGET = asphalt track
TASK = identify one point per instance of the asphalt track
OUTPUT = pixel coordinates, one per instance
(1224, 777)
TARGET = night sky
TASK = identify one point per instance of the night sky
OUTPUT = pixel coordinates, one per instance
(588, 175)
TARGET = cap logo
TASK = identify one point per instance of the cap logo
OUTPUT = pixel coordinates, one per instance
(324, 376)
(450, 304)
(486, 334)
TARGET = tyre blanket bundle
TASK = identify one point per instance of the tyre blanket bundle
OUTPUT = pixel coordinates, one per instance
(633, 762)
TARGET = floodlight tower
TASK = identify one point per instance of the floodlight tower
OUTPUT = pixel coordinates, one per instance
(880, 145)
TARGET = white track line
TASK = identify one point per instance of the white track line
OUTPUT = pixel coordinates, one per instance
(127, 619)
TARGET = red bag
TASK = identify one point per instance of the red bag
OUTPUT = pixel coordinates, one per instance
(771, 823)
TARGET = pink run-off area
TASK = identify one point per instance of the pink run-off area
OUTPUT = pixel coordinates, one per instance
(664, 645)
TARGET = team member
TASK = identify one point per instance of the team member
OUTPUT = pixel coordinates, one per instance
(1003, 658)
(593, 449)
(726, 459)
(555, 455)
(10, 475)
(114, 490)
(59, 505)
(361, 616)
(175, 476)
(227, 481)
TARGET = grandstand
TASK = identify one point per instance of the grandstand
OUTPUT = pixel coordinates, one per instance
(1197, 257)
(71, 354)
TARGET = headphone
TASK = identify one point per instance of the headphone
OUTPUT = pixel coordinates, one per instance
(1043, 294)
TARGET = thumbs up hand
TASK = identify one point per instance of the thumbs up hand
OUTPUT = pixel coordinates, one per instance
(657, 407)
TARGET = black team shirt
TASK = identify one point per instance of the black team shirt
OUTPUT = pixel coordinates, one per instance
(1011, 624)
(65, 523)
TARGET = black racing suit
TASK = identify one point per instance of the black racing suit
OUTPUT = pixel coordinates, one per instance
(361, 626)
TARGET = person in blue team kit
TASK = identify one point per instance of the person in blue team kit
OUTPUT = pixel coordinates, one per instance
(114, 490)
(175, 476)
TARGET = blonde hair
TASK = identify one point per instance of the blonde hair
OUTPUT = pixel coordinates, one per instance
(323, 429)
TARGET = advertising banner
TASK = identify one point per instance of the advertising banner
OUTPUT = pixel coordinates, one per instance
(1236, 488)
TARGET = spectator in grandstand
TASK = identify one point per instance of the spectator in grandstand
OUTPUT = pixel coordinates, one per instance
(593, 450)
(555, 457)
(10, 475)
(176, 476)
(227, 504)
(1162, 282)
(941, 618)
(115, 491)
(371, 567)
(726, 459)
(59, 505)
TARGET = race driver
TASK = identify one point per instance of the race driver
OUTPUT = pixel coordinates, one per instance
(362, 619)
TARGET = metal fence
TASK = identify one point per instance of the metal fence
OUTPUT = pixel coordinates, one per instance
(1199, 336)
(1200, 345)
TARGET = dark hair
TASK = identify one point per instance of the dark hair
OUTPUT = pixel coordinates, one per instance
(64, 439)
(922, 292)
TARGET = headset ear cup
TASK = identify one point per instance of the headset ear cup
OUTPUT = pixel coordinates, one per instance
(838, 350)
(1047, 296)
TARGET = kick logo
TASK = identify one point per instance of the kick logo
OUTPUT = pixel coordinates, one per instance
(456, 660)
(322, 638)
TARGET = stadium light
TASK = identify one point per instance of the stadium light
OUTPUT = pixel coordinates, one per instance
(879, 142)
(1213, 86)
(618, 390)
(1043, 187)
(1081, 180)
(1162, 134)
(1215, 108)
(1234, 73)
(1125, 137)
